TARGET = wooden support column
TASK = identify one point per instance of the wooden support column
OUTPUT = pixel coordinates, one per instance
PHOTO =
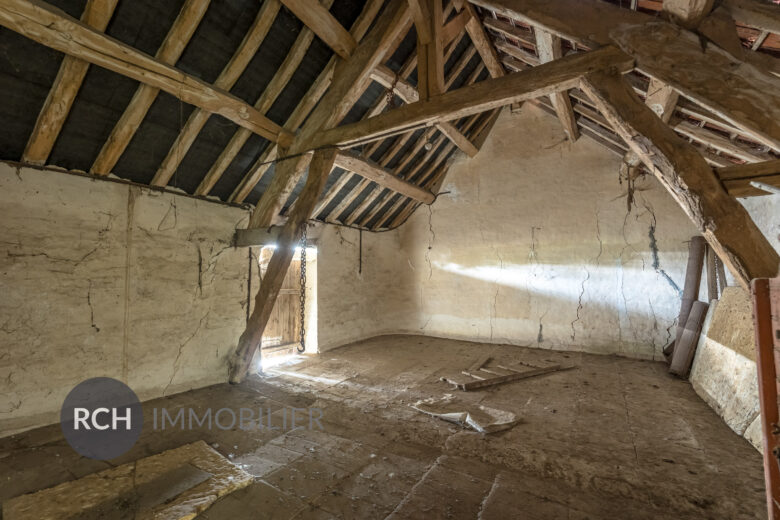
(724, 223)
(63, 92)
(290, 233)
(549, 48)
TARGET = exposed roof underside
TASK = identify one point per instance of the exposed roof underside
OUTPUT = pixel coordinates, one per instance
(28, 71)
(227, 162)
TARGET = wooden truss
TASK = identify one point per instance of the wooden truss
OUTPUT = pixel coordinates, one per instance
(603, 71)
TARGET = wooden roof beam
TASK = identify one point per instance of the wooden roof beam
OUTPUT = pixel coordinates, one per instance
(171, 49)
(352, 162)
(264, 103)
(745, 96)
(480, 40)
(56, 108)
(261, 166)
(549, 48)
(408, 94)
(737, 179)
(543, 80)
(226, 79)
(289, 235)
(351, 77)
(317, 18)
(430, 49)
(50, 26)
(681, 169)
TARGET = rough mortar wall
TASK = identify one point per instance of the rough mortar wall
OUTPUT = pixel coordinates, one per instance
(105, 279)
(355, 305)
(533, 245)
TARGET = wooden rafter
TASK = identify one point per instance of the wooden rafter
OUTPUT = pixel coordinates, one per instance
(171, 49)
(350, 79)
(226, 79)
(50, 26)
(373, 194)
(743, 95)
(304, 107)
(271, 92)
(481, 41)
(408, 94)
(551, 77)
(371, 171)
(549, 49)
(58, 103)
(430, 48)
(317, 18)
(680, 168)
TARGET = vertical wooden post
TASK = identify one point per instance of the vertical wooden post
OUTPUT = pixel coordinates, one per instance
(319, 168)
(766, 315)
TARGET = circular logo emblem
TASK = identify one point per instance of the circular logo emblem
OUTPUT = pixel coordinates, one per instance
(101, 418)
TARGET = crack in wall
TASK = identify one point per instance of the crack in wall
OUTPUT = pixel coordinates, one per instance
(91, 309)
(166, 217)
(181, 349)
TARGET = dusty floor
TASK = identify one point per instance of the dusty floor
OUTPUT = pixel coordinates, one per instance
(613, 438)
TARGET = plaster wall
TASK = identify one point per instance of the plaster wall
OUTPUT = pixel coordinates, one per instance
(533, 245)
(359, 300)
(107, 279)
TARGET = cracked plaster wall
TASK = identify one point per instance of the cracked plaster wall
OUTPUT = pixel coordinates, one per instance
(105, 279)
(533, 245)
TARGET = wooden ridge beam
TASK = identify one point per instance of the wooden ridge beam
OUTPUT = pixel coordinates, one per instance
(226, 79)
(549, 48)
(543, 80)
(289, 234)
(352, 162)
(53, 28)
(681, 169)
(258, 170)
(351, 77)
(59, 101)
(171, 49)
(317, 17)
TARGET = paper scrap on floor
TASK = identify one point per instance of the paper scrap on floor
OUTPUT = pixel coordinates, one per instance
(483, 419)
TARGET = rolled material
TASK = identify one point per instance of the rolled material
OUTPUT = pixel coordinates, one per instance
(685, 347)
(692, 281)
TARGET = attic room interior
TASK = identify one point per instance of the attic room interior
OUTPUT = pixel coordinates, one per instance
(390, 259)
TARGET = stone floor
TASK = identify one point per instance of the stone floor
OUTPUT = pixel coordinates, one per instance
(612, 438)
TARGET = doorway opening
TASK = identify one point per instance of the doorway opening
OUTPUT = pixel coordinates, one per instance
(281, 339)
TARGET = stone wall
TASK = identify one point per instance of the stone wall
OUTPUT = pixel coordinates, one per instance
(102, 278)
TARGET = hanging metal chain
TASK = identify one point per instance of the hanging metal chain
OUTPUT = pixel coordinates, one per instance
(302, 345)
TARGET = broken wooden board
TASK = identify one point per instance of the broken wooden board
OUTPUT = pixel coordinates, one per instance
(176, 484)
